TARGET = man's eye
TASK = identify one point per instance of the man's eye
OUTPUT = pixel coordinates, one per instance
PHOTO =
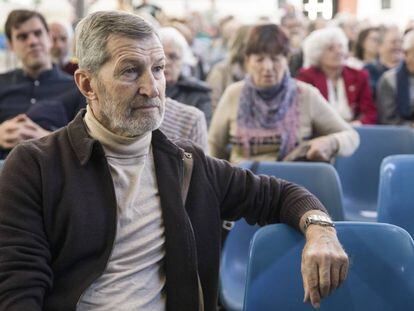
(159, 68)
(21, 37)
(130, 73)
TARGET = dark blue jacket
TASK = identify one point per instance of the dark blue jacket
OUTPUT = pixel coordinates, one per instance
(51, 100)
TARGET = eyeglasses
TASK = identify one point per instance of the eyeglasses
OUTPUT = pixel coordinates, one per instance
(173, 57)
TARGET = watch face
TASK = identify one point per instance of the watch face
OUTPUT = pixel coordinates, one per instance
(318, 220)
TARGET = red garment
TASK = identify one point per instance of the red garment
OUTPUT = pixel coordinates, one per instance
(70, 67)
(357, 88)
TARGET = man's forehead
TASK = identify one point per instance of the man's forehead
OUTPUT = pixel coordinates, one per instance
(120, 45)
(31, 24)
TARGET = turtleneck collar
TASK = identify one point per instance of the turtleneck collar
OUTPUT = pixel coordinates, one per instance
(113, 144)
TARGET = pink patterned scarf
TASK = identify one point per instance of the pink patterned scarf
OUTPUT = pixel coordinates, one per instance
(264, 114)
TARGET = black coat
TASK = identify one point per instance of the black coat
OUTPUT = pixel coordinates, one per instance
(58, 218)
(192, 92)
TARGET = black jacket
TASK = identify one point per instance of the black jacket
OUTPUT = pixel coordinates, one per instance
(193, 92)
(58, 218)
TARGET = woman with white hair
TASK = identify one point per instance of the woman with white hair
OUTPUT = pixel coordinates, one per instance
(346, 89)
(184, 89)
(395, 93)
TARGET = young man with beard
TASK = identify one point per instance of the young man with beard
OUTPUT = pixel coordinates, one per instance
(92, 216)
(39, 97)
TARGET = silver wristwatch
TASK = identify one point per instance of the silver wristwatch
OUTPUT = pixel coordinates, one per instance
(319, 220)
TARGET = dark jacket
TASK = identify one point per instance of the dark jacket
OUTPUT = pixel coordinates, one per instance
(358, 91)
(58, 218)
(193, 92)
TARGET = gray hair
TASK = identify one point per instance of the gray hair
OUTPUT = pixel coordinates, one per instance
(172, 35)
(318, 41)
(408, 42)
(93, 31)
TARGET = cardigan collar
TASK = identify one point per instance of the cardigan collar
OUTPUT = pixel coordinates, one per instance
(85, 146)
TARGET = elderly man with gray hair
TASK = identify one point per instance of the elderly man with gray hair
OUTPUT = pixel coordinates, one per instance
(108, 214)
(62, 39)
(395, 92)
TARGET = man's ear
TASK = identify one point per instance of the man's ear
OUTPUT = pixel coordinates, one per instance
(83, 80)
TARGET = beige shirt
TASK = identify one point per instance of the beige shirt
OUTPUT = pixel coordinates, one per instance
(316, 118)
(134, 278)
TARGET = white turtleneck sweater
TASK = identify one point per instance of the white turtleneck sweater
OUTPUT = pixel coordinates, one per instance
(134, 278)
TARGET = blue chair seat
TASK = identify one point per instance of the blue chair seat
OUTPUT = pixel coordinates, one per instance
(380, 278)
(396, 194)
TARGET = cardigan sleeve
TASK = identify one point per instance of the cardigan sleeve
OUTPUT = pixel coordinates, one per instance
(326, 121)
(260, 199)
(25, 273)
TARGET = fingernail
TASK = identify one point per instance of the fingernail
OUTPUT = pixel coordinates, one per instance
(317, 305)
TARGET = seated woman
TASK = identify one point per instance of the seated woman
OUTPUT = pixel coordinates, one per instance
(266, 116)
(347, 90)
(366, 48)
(395, 92)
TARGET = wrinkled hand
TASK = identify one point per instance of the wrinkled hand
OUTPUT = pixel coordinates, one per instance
(17, 129)
(324, 264)
(322, 148)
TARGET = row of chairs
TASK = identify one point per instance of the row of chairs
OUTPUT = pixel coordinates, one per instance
(396, 194)
(359, 173)
(357, 200)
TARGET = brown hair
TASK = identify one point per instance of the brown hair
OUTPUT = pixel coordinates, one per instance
(269, 39)
(18, 17)
(362, 36)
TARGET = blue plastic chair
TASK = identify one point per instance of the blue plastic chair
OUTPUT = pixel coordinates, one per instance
(359, 173)
(380, 278)
(396, 192)
(319, 178)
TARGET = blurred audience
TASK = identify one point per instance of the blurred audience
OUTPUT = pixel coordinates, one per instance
(270, 116)
(62, 39)
(32, 99)
(220, 46)
(366, 48)
(390, 55)
(231, 69)
(349, 24)
(293, 23)
(395, 97)
(346, 89)
(148, 8)
(187, 90)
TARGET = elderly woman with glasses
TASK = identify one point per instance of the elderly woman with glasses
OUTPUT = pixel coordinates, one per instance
(346, 89)
(269, 115)
(181, 87)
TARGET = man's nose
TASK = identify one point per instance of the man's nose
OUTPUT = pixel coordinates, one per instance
(148, 86)
(32, 39)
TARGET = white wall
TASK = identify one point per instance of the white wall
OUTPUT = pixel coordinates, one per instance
(400, 13)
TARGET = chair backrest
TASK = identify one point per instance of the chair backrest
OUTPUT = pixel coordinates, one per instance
(319, 178)
(380, 278)
(359, 173)
(396, 192)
